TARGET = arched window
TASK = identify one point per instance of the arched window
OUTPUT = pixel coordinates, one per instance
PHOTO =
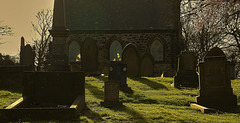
(115, 51)
(74, 52)
(157, 50)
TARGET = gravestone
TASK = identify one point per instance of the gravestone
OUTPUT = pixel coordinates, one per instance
(215, 85)
(27, 54)
(131, 58)
(118, 72)
(111, 94)
(147, 64)
(186, 75)
(75, 66)
(232, 70)
(89, 58)
(48, 96)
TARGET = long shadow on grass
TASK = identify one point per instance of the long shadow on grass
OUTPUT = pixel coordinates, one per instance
(101, 78)
(11, 90)
(137, 98)
(95, 91)
(138, 117)
(150, 83)
(91, 115)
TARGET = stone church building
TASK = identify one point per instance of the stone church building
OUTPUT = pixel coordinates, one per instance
(144, 34)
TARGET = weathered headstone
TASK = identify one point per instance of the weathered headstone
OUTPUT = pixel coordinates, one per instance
(111, 94)
(75, 66)
(186, 75)
(215, 84)
(89, 58)
(27, 54)
(118, 72)
(232, 70)
(147, 64)
(131, 58)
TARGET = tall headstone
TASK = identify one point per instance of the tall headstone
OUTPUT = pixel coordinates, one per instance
(147, 64)
(27, 54)
(59, 58)
(186, 75)
(215, 84)
(131, 58)
(111, 94)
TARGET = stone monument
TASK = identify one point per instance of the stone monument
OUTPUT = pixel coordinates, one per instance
(27, 54)
(59, 32)
(186, 75)
(57, 94)
(111, 94)
(215, 85)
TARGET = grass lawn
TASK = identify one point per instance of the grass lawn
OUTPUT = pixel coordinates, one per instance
(152, 100)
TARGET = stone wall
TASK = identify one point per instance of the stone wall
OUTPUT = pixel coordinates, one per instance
(143, 43)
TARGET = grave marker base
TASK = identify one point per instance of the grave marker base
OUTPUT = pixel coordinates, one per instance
(218, 102)
(111, 104)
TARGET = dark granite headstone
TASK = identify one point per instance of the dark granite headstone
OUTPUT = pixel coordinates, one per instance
(111, 94)
(215, 84)
(131, 58)
(186, 75)
(118, 72)
(147, 63)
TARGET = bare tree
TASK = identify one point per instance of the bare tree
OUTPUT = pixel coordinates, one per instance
(43, 38)
(5, 30)
(203, 24)
(210, 23)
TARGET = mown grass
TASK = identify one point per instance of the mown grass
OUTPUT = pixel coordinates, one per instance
(152, 100)
(8, 96)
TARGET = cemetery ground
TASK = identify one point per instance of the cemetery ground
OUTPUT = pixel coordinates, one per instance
(152, 100)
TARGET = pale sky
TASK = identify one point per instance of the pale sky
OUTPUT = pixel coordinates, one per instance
(19, 14)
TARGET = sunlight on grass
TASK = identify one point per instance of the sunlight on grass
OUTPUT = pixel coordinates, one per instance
(152, 100)
(7, 97)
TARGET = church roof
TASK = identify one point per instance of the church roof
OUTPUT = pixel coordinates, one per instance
(122, 14)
